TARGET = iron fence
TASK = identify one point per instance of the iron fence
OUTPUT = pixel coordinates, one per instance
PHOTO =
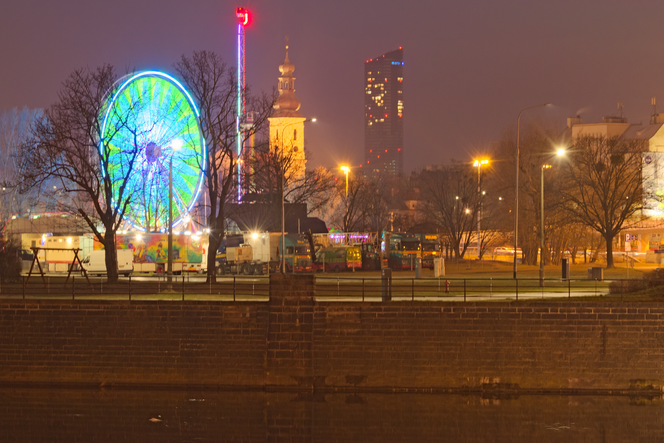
(472, 289)
(253, 288)
(232, 288)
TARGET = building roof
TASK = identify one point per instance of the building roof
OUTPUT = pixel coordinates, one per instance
(641, 132)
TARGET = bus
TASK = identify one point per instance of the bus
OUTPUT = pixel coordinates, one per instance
(339, 258)
(430, 244)
(404, 250)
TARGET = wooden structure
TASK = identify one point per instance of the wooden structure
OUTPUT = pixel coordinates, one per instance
(35, 259)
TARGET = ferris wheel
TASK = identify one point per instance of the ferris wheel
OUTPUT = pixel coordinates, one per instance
(150, 124)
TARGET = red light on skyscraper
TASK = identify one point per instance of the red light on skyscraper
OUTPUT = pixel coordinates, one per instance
(242, 15)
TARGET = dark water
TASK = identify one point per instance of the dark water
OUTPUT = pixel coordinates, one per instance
(40, 415)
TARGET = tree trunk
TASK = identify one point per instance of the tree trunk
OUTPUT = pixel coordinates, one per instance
(609, 250)
(111, 256)
(213, 246)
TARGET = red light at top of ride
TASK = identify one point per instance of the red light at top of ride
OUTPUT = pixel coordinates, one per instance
(242, 15)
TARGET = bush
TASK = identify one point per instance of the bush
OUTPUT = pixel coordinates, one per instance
(10, 263)
(626, 286)
(654, 278)
(650, 280)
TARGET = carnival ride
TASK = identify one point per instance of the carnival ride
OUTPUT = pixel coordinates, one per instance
(150, 125)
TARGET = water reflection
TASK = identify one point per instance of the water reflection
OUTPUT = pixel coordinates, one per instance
(54, 415)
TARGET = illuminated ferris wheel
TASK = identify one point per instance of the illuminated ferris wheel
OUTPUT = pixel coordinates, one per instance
(149, 124)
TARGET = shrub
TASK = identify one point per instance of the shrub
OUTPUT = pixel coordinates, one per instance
(654, 278)
(10, 263)
(626, 286)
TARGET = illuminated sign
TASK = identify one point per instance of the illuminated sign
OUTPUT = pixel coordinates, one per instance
(653, 184)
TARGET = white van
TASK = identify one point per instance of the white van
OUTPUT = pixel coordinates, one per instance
(95, 263)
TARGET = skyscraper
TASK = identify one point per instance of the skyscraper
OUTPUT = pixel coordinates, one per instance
(383, 114)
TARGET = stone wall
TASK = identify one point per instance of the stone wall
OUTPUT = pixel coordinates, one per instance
(295, 343)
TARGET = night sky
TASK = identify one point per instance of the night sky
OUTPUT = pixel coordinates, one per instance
(470, 66)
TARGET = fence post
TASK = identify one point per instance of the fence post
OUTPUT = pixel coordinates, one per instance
(362, 288)
(233, 288)
(621, 289)
(73, 287)
(412, 290)
(464, 289)
(23, 285)
(517, 289)
(569, 288)
(183, 285)
(130, 288)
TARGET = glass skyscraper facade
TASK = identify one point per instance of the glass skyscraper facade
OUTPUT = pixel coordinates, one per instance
(383, 114)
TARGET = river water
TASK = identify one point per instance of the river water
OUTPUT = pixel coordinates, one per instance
(112, 415)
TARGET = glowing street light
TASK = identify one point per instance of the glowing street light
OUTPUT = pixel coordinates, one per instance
(516, 187)
(478, 164)
(559, 153)
(346, 170)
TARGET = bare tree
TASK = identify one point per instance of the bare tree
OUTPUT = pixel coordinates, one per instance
(214, 88)
(539, 142)
(451, 201)
(351, 207)
(68, 146)
(14, 130)
(605, 185)
(278, 171)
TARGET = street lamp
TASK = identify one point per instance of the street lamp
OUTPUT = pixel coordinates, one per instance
(346, 170)
(559, 153)
(541, 270)
(283, 197)
(176, 144)
(478, 164)
(516, 187)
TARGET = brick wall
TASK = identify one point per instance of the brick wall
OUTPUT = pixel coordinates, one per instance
(294, 342)
(106, 343)
(543, 346)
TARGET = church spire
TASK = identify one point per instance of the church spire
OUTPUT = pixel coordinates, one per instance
(287, 104)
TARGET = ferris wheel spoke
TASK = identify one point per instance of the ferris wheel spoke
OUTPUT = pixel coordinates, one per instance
(142, 121)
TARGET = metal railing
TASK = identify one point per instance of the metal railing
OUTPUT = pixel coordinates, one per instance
(253, 288)
(472, 289)
(184, 287)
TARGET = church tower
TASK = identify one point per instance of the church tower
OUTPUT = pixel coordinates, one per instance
(287, 124)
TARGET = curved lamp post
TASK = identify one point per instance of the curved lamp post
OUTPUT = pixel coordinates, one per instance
(516, 187)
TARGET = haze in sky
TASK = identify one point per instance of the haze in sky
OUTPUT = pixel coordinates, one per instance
(470, 66)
